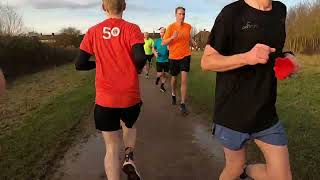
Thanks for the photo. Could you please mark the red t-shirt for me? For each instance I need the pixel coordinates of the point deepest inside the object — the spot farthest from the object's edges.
(117, 83)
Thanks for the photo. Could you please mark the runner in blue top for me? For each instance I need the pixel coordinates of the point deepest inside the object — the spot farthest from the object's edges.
(162, 54)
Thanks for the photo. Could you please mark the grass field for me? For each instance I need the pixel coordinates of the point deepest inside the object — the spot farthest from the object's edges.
(298, 107)
(38, 114)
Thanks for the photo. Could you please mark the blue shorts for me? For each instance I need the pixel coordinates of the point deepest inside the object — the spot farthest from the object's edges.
(235, 140)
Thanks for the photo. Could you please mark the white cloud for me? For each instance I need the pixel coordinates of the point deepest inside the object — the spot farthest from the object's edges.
(50, 15)
(45, 4)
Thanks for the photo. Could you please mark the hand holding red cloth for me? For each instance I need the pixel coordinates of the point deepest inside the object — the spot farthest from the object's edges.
(283, 68)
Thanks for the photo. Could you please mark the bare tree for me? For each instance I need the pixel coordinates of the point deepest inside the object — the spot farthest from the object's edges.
(70, 31)
(69, 36)
(10, 21)
(194, 31)
(303, 27)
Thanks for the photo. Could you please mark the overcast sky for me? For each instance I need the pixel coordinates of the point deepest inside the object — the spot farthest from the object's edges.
(47, 16)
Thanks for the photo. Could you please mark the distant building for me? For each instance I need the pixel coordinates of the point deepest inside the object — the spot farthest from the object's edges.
(60, 40)
(47, 39)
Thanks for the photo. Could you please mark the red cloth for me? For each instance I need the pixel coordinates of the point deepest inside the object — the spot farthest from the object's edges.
(283, 68)
(117, 84)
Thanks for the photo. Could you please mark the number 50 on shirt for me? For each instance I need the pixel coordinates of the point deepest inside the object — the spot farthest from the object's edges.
(109, 33)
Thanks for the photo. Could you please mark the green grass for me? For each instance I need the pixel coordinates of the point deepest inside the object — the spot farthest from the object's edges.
(201, 86)
(27, 151)
(298, 107)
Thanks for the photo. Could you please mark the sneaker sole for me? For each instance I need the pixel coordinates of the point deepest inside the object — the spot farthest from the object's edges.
(162, 90)
(184, 113)
(131, 172)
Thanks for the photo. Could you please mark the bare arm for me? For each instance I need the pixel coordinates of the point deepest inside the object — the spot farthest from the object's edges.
(155, 52)
(169, 40)
(193, 43)
(212, 60)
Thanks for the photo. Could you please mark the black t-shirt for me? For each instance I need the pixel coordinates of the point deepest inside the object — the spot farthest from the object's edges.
(245, 97)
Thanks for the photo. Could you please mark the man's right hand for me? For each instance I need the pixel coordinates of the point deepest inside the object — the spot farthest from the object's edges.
(175, 35)
(156, 54)
(259, 54)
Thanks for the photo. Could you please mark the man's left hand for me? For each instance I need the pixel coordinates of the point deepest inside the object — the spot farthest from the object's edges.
(293, 59)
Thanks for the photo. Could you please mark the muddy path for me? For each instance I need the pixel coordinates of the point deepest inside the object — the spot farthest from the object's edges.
(169, 146)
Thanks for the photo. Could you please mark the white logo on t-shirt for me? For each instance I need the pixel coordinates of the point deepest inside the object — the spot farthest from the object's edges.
(109, 33)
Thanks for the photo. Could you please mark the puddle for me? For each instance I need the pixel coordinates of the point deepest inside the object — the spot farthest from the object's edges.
(86, 156)
(207, 142)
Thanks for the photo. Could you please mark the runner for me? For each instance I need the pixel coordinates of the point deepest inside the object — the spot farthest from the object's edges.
(148, 44)
(247, 37)
(118, 48)
(162, 55)
(2, 83)
(178, 37)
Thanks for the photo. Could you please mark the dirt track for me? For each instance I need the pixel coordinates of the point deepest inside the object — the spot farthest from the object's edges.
(169, 146)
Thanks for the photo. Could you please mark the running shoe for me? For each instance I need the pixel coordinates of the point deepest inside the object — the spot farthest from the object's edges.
(174, 100)
(129, 167)
(157, 81)
(162, 89)
(183, 109)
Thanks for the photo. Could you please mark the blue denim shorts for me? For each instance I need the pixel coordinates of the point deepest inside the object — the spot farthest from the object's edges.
(235, 140)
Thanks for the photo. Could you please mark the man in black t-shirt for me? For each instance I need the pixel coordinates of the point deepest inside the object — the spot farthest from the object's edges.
(247, 37)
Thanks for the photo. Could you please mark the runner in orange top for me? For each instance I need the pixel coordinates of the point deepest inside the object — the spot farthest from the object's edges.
(178, 37)
(118, 48)
(180, 47)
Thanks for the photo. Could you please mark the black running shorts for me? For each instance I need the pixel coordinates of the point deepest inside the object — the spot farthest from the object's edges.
(176, 66)
(149, 58)
(108, 119)
(162, 66)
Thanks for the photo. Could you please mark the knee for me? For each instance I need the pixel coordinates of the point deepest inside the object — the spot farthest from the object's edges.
(234, 169)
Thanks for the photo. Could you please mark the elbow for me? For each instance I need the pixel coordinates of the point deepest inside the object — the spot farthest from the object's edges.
(79, 67)
(140, 61)
(209, 65)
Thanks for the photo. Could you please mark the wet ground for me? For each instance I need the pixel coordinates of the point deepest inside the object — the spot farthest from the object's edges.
(169, 146)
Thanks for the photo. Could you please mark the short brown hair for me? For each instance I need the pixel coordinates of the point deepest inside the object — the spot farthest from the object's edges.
(180, 7)
(115, 6)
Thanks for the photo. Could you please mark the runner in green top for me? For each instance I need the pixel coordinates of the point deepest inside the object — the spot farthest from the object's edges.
(148, 44)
